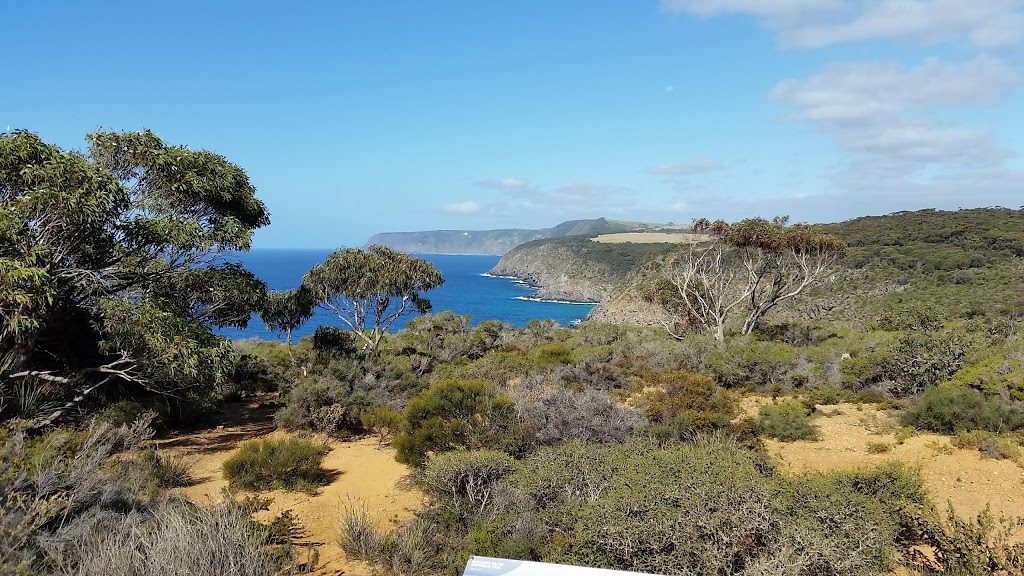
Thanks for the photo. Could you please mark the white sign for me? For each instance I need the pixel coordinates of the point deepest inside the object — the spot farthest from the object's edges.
(482, 566)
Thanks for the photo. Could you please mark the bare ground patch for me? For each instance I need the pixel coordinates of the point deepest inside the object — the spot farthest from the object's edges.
(652, 238)
(361, 470)
(961, 477)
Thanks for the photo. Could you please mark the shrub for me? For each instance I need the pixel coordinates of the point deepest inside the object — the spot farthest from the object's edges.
(166, 471)
(331, 406)
(277, 463)
(497, 367)
(827, 395)
(412, 550)
(125, 413)
(985, 545)
(912, 316)
(999, 448)
(712, 507)
(690, 403)
(879, 447)
(179, 538)
(557, 414)
(467, 476)
(949, 409)
(252, 374)
(454, 415)
(588, 374)
(329, 342)
(920, 361)
(788, 420)
(753, 364)
(64, 509)
(383, 421)
(358, 536)
(551, 354)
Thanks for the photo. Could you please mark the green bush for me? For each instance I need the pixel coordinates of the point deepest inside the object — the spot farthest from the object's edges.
(1000, 371)
(358, 536)
(467, 476)
(498, 367)
(456, 415)
(124, 413)
(788, 420)
(330, 406)
(712, 507)
(166, 471)
(690, 403)
(750, 364)
(949, 408)
(277, 463)
(910, 316)
(383, 421)
(551, 354)
(980, 546)
(921, 360)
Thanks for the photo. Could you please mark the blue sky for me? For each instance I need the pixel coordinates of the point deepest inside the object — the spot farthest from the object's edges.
(358, 117)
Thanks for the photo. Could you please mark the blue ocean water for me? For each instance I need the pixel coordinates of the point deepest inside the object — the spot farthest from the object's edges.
(466, 290)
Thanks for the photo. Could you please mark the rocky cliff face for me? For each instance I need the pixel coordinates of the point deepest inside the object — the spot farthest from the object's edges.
(489, 242)
(573, 269)
(626, 304)
(485, 242)
(558, 273)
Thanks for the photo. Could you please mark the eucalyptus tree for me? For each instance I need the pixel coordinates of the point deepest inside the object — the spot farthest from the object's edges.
(112, 274)
(368, 290)
(751, 266)
(286, 311)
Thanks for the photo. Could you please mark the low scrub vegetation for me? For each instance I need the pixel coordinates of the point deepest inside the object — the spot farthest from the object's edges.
(68, 507)
(604, 445)
(706, 507)
(277, 463)
(787, 420)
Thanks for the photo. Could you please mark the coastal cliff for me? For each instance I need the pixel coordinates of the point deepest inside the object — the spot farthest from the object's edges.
(626, 303)
(490, 242)
(573, 269)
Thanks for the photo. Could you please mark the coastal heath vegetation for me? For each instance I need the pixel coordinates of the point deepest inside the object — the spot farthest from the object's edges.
(604, 445)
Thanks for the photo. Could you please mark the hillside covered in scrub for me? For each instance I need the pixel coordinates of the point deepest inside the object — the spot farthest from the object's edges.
(966, 262)
(492, 242)
(762, 429)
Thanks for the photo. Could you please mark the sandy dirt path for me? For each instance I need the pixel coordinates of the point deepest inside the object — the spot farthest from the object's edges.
(362, 470)
(961, 477)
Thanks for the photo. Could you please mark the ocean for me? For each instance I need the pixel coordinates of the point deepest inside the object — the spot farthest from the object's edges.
(467, 290)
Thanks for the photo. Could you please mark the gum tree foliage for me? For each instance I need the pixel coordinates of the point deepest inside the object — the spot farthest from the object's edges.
(751, 266)
(111, 269)
(286, 311)
(370, 289)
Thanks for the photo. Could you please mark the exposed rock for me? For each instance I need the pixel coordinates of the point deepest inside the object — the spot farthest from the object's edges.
(574, 269)
(490, 242)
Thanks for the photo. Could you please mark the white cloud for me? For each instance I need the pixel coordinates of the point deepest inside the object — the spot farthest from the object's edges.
(924, 143)
(687, 167)
(468, 207)
(986, 23)
(764, 8)
(900, 128)
(816, 23)
(505, 184)
(854, 92)
(876, 109)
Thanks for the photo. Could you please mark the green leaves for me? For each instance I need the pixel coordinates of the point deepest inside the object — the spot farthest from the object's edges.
(370, 289)
(113, 259)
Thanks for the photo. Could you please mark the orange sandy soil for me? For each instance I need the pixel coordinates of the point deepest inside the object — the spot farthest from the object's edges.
(361, 471)
(367, 472)
(962, 477)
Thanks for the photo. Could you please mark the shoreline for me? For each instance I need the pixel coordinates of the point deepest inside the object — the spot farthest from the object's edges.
(532, 298)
